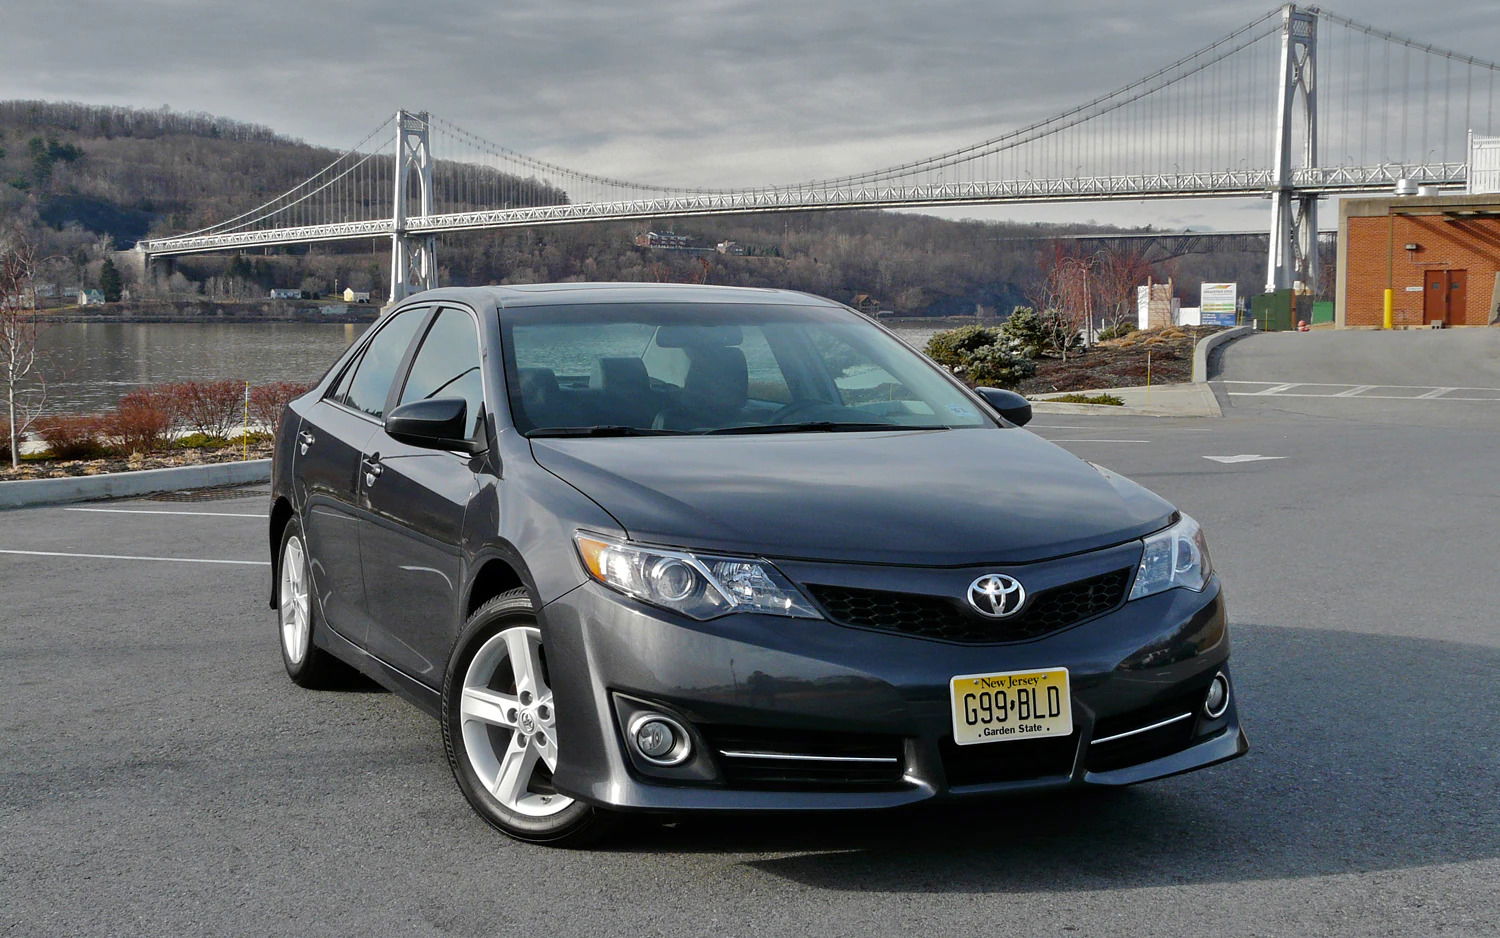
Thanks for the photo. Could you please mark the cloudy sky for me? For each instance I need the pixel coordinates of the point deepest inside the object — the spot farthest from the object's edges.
(712, 92)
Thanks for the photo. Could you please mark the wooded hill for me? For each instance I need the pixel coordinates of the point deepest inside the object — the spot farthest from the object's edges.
(82, 178)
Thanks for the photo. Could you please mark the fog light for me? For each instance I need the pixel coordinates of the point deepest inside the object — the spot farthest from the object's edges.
(659, 739)
(1216, 701)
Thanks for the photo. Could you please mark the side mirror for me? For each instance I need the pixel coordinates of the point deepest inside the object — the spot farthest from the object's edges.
(1008, 404)
(438, 423)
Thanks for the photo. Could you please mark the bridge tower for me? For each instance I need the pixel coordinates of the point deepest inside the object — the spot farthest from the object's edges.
(1294, 217)
(413, 257)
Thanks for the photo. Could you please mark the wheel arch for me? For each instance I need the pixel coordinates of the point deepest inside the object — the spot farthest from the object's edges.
(281, 513)
(495, 575)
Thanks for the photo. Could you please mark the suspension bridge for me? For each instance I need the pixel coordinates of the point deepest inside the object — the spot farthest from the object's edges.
(1300, 105)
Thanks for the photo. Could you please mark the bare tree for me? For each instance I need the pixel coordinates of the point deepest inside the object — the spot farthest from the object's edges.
(23, 387)
(1119, 272)
(1063, 294)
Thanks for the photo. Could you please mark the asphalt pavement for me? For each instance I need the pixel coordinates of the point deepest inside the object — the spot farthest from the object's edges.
(161, 776)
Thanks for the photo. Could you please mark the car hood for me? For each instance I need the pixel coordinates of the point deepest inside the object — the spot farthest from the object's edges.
(921, 498)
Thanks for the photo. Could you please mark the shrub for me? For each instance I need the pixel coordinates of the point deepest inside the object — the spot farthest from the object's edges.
(1109, 399)
(71, 437)
(268, 402)
(4, 442)
(998, 366)
(953, 347)
(212, 408)
(980, 355)
(1116, 330)
(1025, 332)
(140, 424)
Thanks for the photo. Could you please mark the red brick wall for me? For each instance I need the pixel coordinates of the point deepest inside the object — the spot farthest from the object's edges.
(1472, 245)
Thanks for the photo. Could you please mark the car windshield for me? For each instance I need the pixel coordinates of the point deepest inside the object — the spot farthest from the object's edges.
(681, 368)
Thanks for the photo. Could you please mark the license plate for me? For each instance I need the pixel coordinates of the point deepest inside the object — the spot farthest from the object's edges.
(994, 708)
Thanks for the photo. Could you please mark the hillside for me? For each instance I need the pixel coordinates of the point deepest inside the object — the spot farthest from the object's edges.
(80, 178)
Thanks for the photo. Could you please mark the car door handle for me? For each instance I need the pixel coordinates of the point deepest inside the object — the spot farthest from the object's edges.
(373, 469)
(305, 440)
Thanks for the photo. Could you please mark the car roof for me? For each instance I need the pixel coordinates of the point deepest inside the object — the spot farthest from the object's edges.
(558, 294)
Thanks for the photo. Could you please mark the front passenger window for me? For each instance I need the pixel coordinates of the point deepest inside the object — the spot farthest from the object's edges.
(447, 365)
(376, 371)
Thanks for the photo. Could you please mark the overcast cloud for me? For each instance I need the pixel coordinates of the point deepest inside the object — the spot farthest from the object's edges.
(713, 92)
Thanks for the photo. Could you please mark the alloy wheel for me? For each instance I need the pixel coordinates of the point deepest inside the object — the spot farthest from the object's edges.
(296, 608)
(509, 724)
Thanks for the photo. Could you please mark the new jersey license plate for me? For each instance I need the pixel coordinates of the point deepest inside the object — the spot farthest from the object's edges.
(994, 708)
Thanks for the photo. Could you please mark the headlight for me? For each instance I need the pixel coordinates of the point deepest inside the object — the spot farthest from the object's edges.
(1175, 557)
(699, 585)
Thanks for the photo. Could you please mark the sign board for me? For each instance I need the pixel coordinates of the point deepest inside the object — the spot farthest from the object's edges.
(1219, 303)
(1143, 307)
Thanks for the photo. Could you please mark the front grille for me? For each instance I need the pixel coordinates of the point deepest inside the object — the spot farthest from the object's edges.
(759, 758)
(1152, 744)
(950, 620)
(1142, 747)
(1012, 761)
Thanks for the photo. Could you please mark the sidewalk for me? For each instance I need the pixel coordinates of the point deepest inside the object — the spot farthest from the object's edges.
(1191, 399)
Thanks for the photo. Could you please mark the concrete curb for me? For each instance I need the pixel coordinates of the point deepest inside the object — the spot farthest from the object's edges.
(1162, 400)
(27, 492)
(1207, 344)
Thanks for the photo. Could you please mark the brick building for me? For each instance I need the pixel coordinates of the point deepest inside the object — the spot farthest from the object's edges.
(1439, 254)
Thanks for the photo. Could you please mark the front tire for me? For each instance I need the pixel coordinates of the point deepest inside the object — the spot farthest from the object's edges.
(306, 664)
(499, 728)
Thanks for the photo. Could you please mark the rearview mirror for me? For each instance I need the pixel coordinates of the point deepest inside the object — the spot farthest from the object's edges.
(438, 423)
(1008, 404)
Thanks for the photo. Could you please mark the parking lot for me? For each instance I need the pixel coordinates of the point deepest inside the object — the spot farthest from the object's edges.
(162, 777)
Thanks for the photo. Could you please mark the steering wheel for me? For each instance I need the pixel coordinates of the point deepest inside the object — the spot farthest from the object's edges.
(807, 410)
(799, 410)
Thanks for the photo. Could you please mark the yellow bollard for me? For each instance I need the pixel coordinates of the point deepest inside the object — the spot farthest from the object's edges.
(1390, 303)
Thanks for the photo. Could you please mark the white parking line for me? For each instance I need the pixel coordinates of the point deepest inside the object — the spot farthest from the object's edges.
(1348, 384)
(148, 511)
(1277, 389)
(1376, 397)
(1098, 441)
(1357, 390)
(55, 553)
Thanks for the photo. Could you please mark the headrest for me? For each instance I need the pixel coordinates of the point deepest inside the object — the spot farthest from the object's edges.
(538, 383)
(694, 336)
(619, 374)
(717, 377)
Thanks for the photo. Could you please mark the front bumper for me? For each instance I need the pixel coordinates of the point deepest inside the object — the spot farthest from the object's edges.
(791, 683)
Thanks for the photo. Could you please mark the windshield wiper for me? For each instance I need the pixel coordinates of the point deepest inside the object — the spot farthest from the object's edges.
(606, 430)
(823, 426)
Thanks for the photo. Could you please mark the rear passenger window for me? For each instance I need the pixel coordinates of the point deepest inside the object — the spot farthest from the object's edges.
(447, 365)
(377, 369)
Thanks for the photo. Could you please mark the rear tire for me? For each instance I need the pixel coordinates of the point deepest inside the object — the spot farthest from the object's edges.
(499, 729)
(296, 617)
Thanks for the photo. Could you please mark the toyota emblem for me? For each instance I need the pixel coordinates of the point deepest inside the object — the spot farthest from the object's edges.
(997, 596)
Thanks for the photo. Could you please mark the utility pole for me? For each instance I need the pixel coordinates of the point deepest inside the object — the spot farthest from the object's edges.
(1294, 217)
(413, 258)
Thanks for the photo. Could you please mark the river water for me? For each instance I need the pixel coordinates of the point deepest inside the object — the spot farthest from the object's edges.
(90, 365)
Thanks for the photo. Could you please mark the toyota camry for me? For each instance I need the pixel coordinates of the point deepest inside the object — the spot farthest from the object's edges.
(663, 549)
